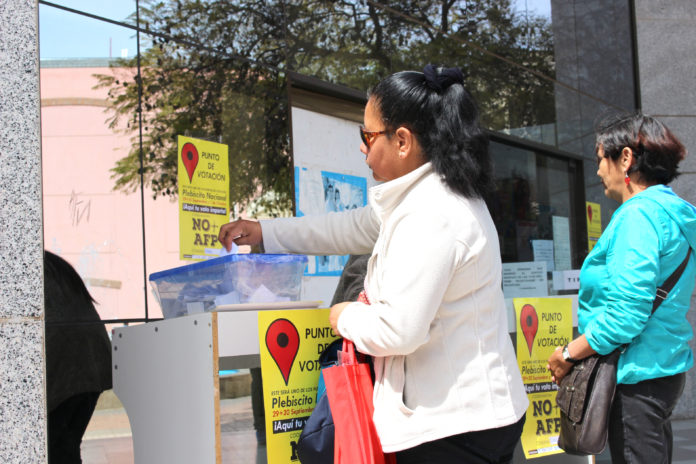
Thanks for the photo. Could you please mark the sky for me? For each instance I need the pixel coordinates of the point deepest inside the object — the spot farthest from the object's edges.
(67, 35)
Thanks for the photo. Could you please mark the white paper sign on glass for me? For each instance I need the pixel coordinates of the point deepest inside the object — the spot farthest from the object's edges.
(543, 251)
(525, 280)
(566, 280)
(561, 243)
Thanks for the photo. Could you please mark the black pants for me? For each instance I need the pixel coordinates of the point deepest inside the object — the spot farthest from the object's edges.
(257, 407)
(66, 425)
(639, 426)
(493, 446)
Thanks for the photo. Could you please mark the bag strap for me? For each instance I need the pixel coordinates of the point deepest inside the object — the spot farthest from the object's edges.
(347, 355)
(348, 345)
(663, 291)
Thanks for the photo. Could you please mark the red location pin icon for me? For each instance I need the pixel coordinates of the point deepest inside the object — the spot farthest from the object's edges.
(189, 155)
(530, 324)
(282, 341)
(589, 212)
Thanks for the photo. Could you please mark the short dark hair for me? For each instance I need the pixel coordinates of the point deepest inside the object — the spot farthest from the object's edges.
(444, 118)
(656, 150)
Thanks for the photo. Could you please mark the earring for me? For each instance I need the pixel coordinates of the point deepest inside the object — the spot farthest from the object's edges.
(627, 179)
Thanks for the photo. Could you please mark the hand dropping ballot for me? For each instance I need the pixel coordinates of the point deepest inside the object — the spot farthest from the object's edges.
(234, 249)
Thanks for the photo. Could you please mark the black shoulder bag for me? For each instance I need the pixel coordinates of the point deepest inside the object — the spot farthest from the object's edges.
(585, 394)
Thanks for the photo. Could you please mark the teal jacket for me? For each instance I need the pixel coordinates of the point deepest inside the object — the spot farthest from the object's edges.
(646, 239)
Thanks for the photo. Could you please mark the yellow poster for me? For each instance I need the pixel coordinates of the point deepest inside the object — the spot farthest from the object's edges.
(290, 344)
(542, 325)
(594, 223)
(204, 192)
(540, 433)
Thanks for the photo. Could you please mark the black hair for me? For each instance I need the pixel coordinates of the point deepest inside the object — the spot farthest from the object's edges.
(64, 287)
(444, 118)
(656, 150)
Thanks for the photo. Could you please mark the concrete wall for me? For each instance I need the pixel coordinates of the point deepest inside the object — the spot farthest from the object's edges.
(22, 397)
(666, 31)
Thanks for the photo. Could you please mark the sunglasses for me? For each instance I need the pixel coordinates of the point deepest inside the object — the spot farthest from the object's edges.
(368, 138)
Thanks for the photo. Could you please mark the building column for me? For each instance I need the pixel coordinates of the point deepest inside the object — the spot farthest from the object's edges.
(22, 371)
(666, 32)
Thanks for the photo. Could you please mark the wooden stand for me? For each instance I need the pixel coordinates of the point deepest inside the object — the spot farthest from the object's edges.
(166, 376)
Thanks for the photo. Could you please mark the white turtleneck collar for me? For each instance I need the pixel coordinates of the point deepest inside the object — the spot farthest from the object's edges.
(384, 197)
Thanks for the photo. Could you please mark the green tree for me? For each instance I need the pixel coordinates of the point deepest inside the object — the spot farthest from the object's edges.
(216, 70)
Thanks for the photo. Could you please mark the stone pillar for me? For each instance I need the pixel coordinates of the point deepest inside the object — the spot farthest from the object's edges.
(666, 32)
(22, 372)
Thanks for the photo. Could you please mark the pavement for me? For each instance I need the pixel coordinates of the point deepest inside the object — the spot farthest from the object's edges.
(108, 437)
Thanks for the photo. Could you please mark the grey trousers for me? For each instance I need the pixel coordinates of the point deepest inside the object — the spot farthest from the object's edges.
(640, 430)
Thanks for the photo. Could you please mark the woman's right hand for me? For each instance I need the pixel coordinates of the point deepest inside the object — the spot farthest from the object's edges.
(579, 349)
(241, 232)
(558, 366)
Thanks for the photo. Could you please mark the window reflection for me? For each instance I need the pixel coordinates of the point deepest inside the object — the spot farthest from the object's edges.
(97, 230)
(121, 10)
(536, 195)
(205, 95)
(63, 34)
(200, 93)
(216, 70)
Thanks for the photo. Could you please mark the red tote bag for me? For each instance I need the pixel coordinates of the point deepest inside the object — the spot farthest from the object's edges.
(349, 388)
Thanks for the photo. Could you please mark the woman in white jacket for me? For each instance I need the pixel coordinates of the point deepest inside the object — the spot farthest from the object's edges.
(447, 385)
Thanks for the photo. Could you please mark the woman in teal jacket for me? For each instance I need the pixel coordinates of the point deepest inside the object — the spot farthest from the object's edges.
(647, 239)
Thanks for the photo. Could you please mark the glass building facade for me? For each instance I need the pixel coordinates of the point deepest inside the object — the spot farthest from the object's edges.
(120, 80)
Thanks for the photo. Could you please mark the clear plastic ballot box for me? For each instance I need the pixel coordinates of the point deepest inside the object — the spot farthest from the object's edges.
(228, 280)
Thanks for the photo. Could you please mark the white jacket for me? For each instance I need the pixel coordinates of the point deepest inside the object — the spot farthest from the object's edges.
(437, 327)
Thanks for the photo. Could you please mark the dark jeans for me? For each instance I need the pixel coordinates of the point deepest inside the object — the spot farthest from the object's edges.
(66, 425)
(493, 446)
(639, 426)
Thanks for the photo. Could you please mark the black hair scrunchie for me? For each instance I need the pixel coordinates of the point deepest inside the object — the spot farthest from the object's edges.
(440, 79)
